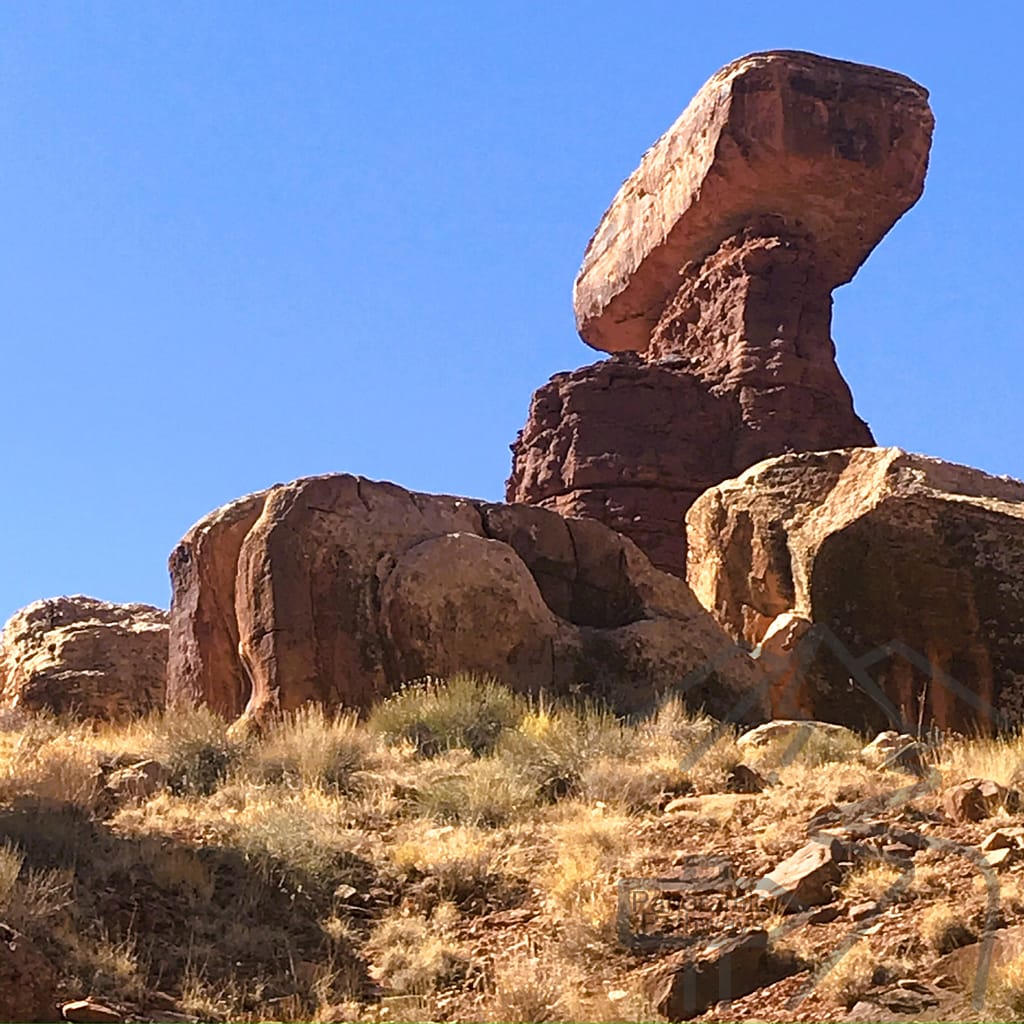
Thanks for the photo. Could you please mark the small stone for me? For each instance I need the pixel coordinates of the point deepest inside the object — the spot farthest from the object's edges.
(807, 878)
(87, 1011)
(682, 803)
(823, 915)
(742, 779)
(862, 911)
(892, 749)
(138, 781)
(999, 858)
(685, 984)
(974, 800)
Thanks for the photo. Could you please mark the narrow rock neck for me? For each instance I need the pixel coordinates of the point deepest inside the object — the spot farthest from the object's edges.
(757, 311)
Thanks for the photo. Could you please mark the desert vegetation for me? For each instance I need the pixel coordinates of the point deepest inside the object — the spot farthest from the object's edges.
(454, 855)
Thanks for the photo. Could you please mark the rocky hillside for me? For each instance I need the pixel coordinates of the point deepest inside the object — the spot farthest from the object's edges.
(468, 854)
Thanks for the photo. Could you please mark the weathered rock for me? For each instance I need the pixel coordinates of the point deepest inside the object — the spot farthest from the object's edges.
(337, 589)
(793, 734)
(81, 655)
(890, 749)
(1003, 839)
(976, 799)
(629, 443)
(137, 781)
(805, 879)
(716, 262)
(837, 151)
(28, 981)
(685, 984)
(89, 1011)
(910, 569)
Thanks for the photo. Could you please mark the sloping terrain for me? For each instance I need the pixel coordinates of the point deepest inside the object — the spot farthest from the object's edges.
(457, 855)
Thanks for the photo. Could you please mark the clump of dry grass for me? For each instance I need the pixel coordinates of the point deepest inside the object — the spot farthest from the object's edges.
(52, 760)
(942, 929)
(531, 989)
(999, 758)
(461, 858)
(1005, 993)
(411, 954)
(462, 789)
(303, 839)
(592, 848)
(11, 859)
(850, 976)
(311, 748)
(875, 881)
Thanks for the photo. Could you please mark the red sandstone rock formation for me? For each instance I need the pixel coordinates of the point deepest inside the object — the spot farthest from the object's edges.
(81, 655)
(716, 263)
(337, 589)
(898, 580)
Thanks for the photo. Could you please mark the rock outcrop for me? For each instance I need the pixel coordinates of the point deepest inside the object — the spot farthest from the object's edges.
(711, 276)
(88, 657)
(337, 589)
(908, 571)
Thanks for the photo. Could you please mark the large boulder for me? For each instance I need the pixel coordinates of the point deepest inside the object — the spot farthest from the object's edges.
(908, 571)
(710, 277)
(336, 589)
(89, 657)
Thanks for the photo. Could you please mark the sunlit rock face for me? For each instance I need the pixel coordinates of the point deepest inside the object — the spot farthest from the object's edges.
(715, 265)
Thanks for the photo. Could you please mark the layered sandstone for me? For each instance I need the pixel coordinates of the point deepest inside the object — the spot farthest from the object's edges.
(715, 264)
(337, 589)
(92, 658)
(905, 575)
(835, 152)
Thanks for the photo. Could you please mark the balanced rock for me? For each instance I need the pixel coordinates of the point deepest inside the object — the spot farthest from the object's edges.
(716, 263)
(910, 571)
(337, 589)
(81, 655)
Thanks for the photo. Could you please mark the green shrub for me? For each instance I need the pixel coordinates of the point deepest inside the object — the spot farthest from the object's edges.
(436, 715)
(194, 745)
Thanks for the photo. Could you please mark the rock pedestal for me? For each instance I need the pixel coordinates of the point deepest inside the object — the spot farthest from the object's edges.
(715, 265)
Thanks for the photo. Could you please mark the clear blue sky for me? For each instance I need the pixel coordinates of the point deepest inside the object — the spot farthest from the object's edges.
(247, 242)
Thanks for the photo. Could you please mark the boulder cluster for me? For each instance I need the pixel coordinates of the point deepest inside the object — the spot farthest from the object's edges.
(701, 512)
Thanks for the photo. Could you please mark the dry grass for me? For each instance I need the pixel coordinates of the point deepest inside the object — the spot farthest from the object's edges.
(1000, 759)
(877, 882)
(411, 954)
(281, 874)
(1005, 993)
(850, 976)
(943, 929)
